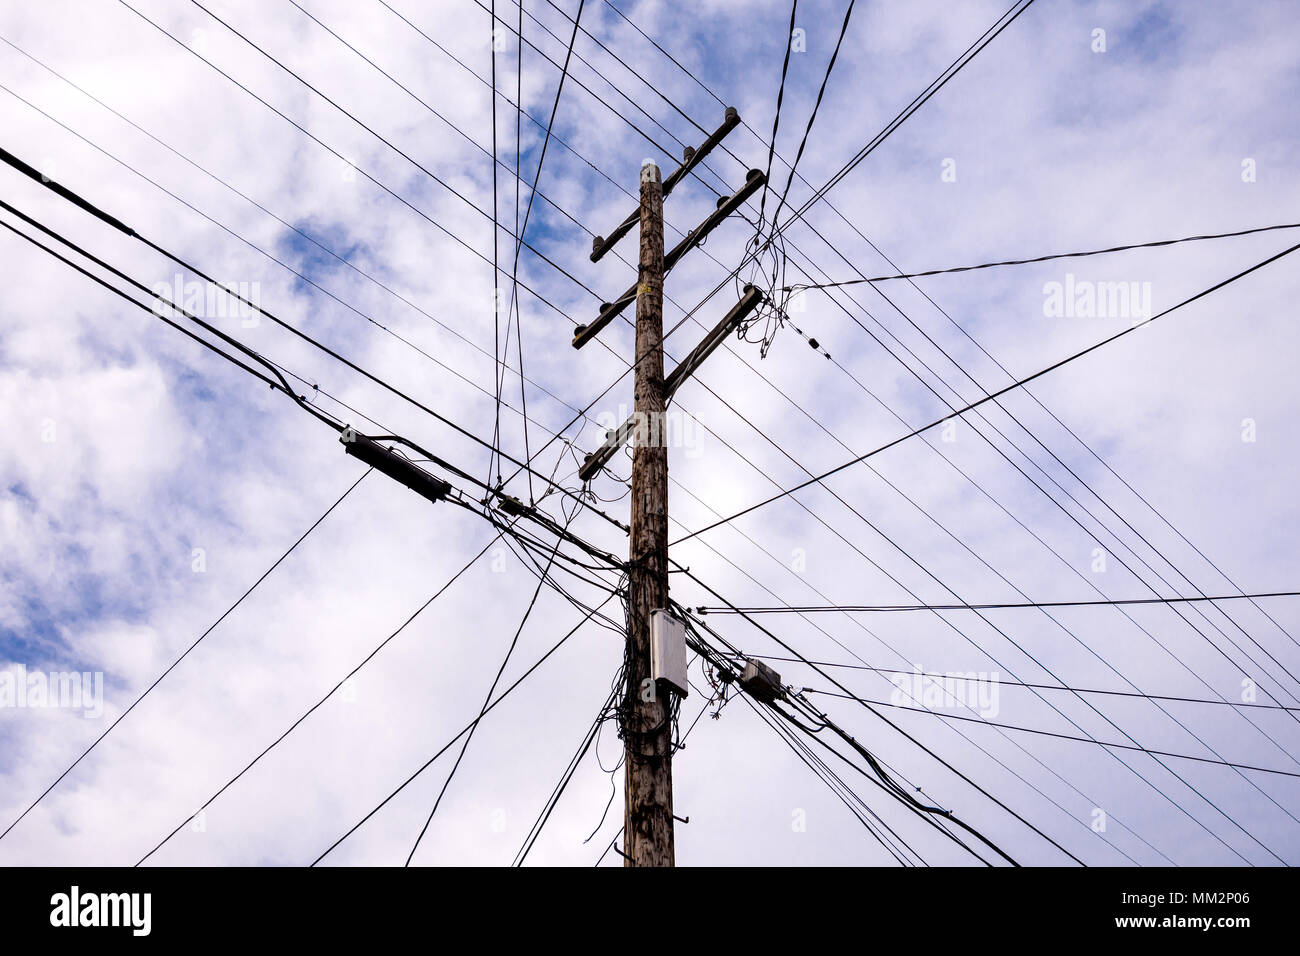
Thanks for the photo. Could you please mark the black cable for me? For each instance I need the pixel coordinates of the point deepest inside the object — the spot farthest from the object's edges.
(546, 141)
(487, 700)
(684, 736)
(1047, 258)
(687, 71)
(1077, 639)
(1041, 444)
(548, 127)
(516, 105)
(833, 783)
(553, 800)
(519, 327)
(658, 92)
(957, 730)
(238, 601)
(1059, 505)
(776, 117)
(7, 157)
(522, 231)
(666, 151)
(328, 694)
(953, 69)
(935, 814)
(993, 395)
(307, 237)
(498, 373)
(927, 750)
(393, 193)
(456, 129)
(279, 384)
(844, 27)
(1065, 511)
(882, 778)
(1003, 682)
(310, 135)
(1060, 736)
(855, 609)
(1199, 740)
(466, 729)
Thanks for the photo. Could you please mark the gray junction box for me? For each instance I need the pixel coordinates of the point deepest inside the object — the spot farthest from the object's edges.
(668, 651)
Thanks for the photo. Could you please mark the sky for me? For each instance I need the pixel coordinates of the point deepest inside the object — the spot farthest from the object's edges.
(146, 484)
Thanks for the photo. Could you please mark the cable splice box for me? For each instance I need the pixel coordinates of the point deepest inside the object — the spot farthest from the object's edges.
(761, 682)
(668, 652)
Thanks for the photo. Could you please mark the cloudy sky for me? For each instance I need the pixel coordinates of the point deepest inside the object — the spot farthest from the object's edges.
(145, 483)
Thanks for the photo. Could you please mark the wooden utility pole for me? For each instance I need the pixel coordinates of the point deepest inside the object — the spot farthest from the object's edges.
(648, 784)
(647, 710)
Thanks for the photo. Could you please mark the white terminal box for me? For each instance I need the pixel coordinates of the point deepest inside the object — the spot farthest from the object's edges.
(668, 651)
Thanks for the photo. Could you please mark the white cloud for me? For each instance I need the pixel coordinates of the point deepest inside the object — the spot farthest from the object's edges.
(160, 449)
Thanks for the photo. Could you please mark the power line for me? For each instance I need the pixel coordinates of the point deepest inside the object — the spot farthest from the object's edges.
(992, 395)
(707, 89)
(496, 277)
(1071, 471)
(836, 532)
(328, 694)
(1003, 454)
(487, 700)
(858, 609)
(522, 231)
(844, 28)
(920, 100)
(881, 777)
(837, 786)
(955, 729)
(7, 157)
(350, 116)
(391, 192)
(666, 151)
(466, 729)
(589, 737)
(172, 666)
(776, 117)
(1048, 258)
(893, 725)
(298, 231)
(1039, 487)
(1003, 682)
(142, 306)
(1060, 736)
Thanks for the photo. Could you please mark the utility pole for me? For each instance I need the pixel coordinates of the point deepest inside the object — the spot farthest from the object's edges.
(648, 784)
(655, 655)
